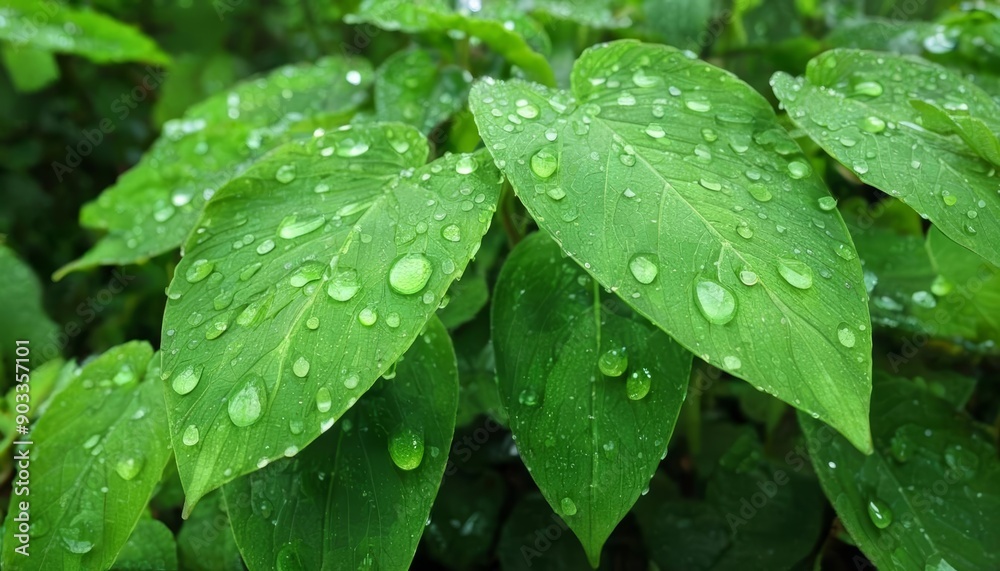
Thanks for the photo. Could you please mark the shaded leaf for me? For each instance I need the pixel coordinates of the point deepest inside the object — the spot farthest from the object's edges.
(535, 538)
(30, 69)
(692, 204)
(205, 541)
(21, 314)
(154, 206)
(859, 106)
(592, 394)
(151, 547)
(56, 27)
(98, 453)
(279, 320)
(503, 27)
(929, 496)
(359, 496)
(465, 519)
(412, 88)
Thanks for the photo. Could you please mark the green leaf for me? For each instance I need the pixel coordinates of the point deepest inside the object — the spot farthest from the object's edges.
(592, 13)
(756, 514)
(929, 497)
(98, 452)
(53, 26)
(205, 541)
(859, 107)
(536, 539)
(30, 69)
(309, 275)
(153, 207)
(502, 27)
(592, 394)
(968, 285)
(465, 518)
(150, 547)
(359, 496)
(410, 87)
(675, 194)
(21, 314)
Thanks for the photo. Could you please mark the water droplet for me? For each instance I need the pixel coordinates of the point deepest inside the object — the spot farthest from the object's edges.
(312, 322)
(285, 174)
(709, 184)
(187, 380)
(324, 400)
(846, 335)
(880, 513)
(827, 203)
(351, 148)
(344, 285)
(544, 164)
(300, 367)
(644, 268)
(638, 384)
(246, 401)
(748, 277)
(294, 226)
(744, 230)
(698, 106)
(452, 233)
(406, 448)
(759, 192)
(567, 506)
(410, 273)
(715, 301)
(466, 165)
(368, 316)
(198, 270)
(796, 273)
(924, 299)
(556, 193)
(129, 467)
(528, 397)
(731, 362)
(798, 169)
(845, 251)
(527, 110)
(392, 320)
(873, 124)
(655, 131)
(190, 436)
(351, 382)
(613, 362)
(265, 246)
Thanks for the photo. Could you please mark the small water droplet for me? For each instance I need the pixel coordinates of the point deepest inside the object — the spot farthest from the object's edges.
(190, 436)
(198, 270)
(187, 380)
(644, 268)
(880, 513)
(846, 335)
(827, 203)
(638, 384)
(613, 362)
(246, 401)
(715, 301)
(300, 367)
(795, 272)
(466, 165)
(129, 467)
(410, 273)
(344, 286)
(567, 506)
(406, 448)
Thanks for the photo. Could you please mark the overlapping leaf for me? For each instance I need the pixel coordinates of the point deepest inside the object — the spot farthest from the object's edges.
(592, 393)
(929, 497)
(880, 115)
(503, 27)
(151, 546)
(411, 88)
(22, 317)
(307, 278)
(56, 27)
(359, 496)
(98, 453)
(153, 206)
(673, 184)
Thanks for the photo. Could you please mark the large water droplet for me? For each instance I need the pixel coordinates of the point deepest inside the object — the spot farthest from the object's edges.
(300, 368)
(715, 301)
(129, 467)
(846, 335)
(466, 165)
(528, 397)
(795, 272)
(190, 435)
(451, 233)
(324, 400)
(827, 203)
(613, 363)
(198, 270)
(873, 124)
(246, 402)
(187, 380)
(544, 164)
(567, 507)
(406, 448)
(285, 174)
(638, 384)
(880, 513)
(644, 268)
(410, 273)
(298, 225)
(344, 285)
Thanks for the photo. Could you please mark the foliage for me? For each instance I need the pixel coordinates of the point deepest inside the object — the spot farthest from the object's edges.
(519, 284)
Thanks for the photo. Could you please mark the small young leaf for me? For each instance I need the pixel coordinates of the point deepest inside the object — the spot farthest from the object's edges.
(98, 453)
(56, 27)
(673, 183)
(502, 27)
(929, 497)
(592, 393)
(153, 207)
(307, 278)
(859, 106)
(359, 496)
(411, 88)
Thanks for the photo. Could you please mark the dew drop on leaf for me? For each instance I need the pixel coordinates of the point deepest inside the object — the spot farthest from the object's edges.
(880, 513)
(846, 335)
(644, 268)
(567, 506)
(187, 380)
(406, 448)
(715, 301)
(613, 362)
(638, 384)
(344, 285)
(198, 270)
(410, 273)
(795, 272)
(246, 402)
(191, 435)
(544, 164)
